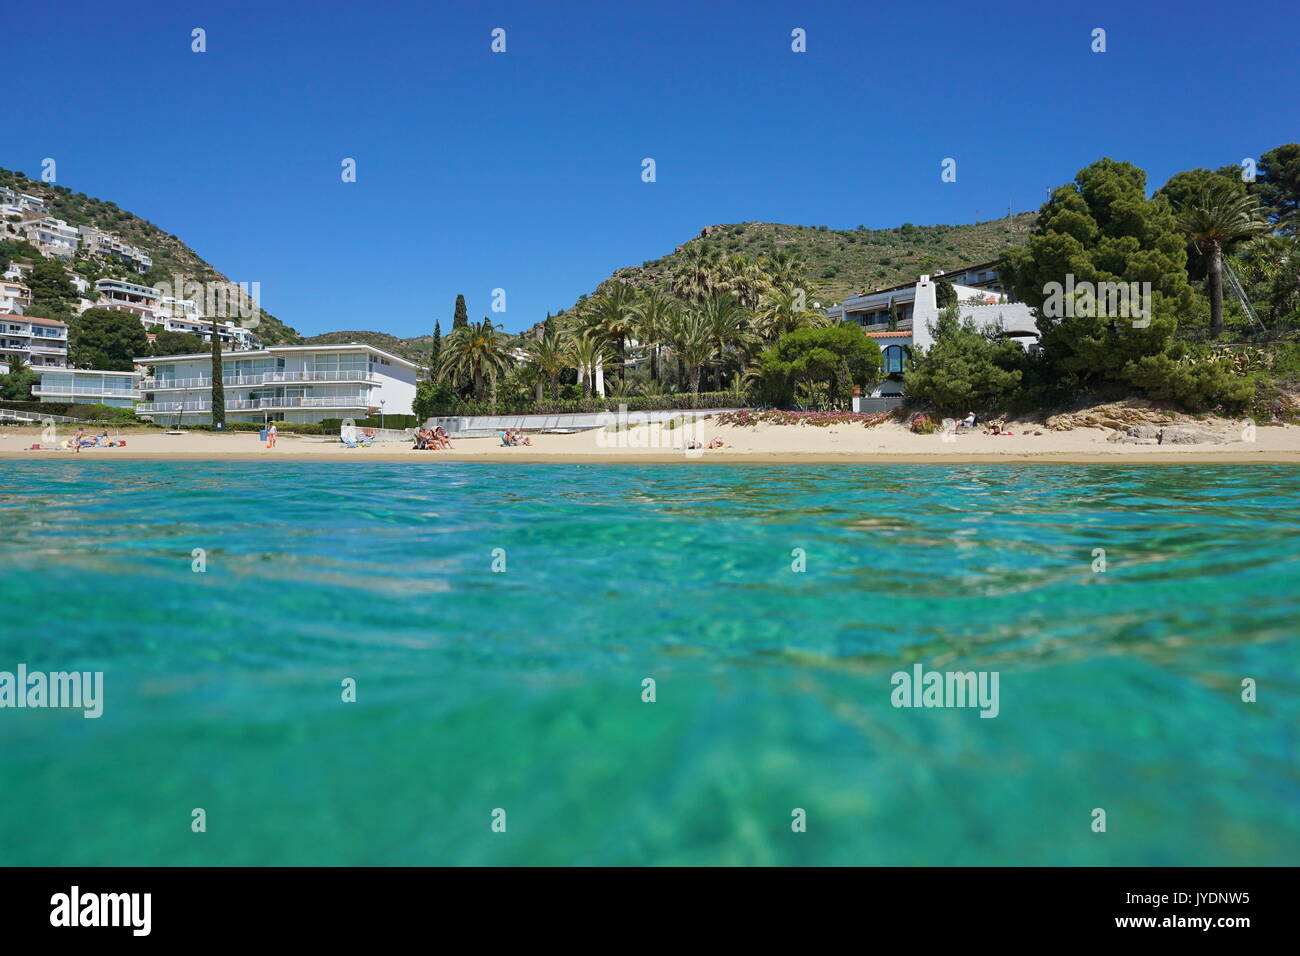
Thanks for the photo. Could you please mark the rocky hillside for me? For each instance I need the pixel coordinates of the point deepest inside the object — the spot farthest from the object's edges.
(170, 255)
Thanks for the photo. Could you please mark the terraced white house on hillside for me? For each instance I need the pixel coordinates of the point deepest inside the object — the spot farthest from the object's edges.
(290, 383)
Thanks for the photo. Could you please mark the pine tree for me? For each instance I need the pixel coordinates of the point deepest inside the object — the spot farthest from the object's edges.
(218, 387)
(462, 314)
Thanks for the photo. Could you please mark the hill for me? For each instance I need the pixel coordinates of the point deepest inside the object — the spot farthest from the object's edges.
(170, 255)
(842, 262)
(416, 349)
(846, 261)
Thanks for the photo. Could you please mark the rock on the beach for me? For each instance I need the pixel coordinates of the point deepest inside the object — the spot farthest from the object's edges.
(1117, 415)
(1169, 435)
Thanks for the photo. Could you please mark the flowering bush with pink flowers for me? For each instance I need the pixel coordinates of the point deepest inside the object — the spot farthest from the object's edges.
(817, 419)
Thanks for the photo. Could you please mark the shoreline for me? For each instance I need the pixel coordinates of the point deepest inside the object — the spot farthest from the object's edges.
(765, 444)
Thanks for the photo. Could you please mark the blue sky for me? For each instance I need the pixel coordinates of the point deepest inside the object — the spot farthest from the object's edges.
(522, 170)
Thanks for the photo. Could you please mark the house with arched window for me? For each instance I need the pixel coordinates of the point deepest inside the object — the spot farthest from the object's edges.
(899, 319)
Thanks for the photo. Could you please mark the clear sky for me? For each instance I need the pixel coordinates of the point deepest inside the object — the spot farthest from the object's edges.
(522, 170)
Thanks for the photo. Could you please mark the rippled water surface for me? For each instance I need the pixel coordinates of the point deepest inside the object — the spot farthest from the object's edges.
(522, 690)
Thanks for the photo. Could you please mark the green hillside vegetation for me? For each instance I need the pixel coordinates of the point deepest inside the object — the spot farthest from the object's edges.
(170, 255)
(842, 262)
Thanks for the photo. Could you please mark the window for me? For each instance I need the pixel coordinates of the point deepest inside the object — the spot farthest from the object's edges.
(896, 359)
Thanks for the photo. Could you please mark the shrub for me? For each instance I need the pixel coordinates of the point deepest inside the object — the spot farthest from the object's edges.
(1198, 379)
(965, 369)
(923, 425)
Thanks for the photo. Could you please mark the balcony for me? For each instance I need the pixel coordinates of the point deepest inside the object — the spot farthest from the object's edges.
(247, 405)
(69, 391)
(262, 378)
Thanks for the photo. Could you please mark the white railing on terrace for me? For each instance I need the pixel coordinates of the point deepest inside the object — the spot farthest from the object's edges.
(263, 378)
(85, 392)
(236, 405)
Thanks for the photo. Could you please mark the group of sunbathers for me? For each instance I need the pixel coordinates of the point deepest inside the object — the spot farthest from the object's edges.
(996, 427)
(515, 436)
(431, 439)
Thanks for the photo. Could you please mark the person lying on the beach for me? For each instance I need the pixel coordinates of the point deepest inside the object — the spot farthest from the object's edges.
(717, 443)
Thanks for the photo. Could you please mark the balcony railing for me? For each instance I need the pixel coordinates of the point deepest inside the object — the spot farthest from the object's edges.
(237, 405)
(72, 392)
(263, 378)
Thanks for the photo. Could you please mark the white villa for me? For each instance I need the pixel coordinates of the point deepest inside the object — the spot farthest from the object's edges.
(90, 386)
(913, 306)
(294, 383)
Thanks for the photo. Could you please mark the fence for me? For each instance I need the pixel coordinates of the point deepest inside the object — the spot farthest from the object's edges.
(478, 425)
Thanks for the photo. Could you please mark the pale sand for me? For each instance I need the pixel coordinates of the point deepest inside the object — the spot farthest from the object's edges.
(762, 444)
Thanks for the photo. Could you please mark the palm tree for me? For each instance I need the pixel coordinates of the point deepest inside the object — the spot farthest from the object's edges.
(782, 310)
(586, 351)
(690, 339)
(698, 273)
(1211, 221)
(611, 314)
(550, 353)
(725, 320)
(475, 353)
(745, 279)
(787, 270)
(653, 311)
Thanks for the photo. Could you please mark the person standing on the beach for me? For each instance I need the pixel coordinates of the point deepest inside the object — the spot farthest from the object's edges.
(270, 436)
(76, 439)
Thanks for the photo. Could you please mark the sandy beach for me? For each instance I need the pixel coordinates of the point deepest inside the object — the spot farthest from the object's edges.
(758, 444)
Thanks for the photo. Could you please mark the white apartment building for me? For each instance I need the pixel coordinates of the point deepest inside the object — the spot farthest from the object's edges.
(140, 300)
(233, 337)
(22, 202)
(53, 237)
(96, 242)
(18, 271)
(38, 342)
(913, 306)
(14, 296)
(295, 383)
(90, 386)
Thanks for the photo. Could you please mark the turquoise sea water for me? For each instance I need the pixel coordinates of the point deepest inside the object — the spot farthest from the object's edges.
(522, 690)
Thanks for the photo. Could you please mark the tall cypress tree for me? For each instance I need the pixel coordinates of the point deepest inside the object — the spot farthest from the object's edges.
(435, 352)
(462, 314)
(218, 387)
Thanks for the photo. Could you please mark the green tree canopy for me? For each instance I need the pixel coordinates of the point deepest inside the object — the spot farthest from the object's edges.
(107, 339)
(834, 358)
(1102, 228)
(1278, 184)
(177, 343)
(16, 385)
(52, 290)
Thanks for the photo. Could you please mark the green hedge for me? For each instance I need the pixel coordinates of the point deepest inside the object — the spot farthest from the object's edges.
(96, 413)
